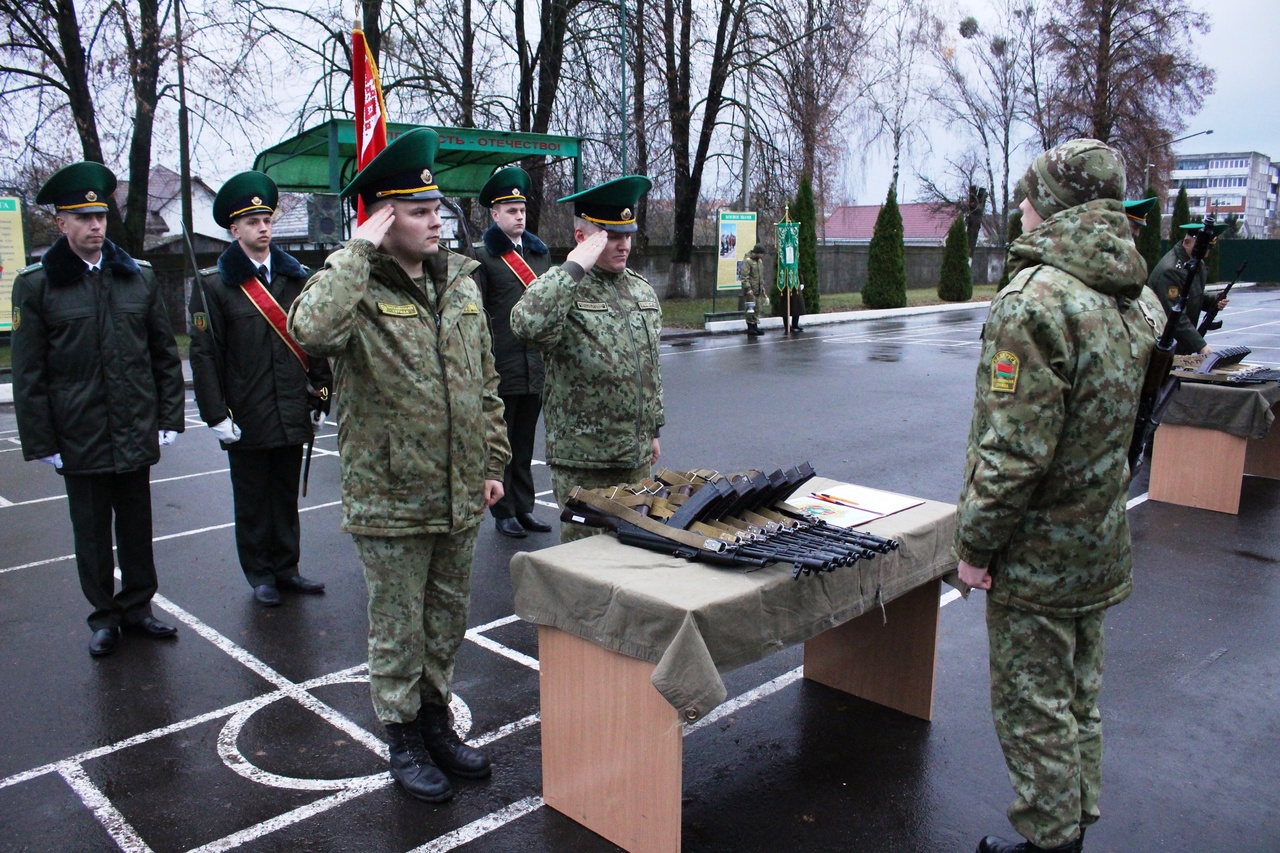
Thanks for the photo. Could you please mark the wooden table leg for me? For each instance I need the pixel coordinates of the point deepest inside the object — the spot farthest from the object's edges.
(1193, 466)
(611, 745)
(889, 662)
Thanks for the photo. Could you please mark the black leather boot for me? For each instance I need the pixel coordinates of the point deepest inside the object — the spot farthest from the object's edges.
(992, 844)
(411, 765)
(446, 748)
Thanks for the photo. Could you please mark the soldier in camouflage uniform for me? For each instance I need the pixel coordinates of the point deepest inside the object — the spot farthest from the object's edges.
(422, 443)
(1170, 277)
(597, 324)
(1041, 520)
(753, 292)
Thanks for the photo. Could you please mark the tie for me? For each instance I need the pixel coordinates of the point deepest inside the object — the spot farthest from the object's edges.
(262, 274)
(520, 250)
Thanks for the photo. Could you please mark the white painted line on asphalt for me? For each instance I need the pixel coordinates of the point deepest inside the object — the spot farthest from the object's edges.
(750, 697)
(481, 827)
(502, 731)
(1137, 501)
(5, 502)
(124, 835)
(948, 597)
(499, 649)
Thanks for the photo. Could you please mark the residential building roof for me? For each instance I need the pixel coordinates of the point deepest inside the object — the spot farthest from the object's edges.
(923, 223)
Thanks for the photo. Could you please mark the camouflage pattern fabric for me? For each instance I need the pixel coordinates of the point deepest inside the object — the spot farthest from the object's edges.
(1167, 281)
(1073, 173)
(419, 418)
(418, 596)
(753, 280)
(1046, 674)
(602, 399)
(1064, 352)
(564, 479)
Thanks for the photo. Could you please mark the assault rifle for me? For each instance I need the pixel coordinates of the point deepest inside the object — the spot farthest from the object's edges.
(1159, 385)
(738, 520)
(1211, 322)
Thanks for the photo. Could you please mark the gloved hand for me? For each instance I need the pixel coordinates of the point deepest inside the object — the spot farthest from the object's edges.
(167, 437)
(226, 431)
(317, 420)
(55, 460)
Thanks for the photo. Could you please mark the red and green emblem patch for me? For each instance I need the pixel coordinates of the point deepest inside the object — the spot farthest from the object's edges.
(17, 317)
(201, 321)
(1004, 372)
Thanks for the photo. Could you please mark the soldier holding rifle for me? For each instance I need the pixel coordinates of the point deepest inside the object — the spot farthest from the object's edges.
(1170, 277)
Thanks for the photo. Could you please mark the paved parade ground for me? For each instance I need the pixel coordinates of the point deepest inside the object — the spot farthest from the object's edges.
(253, 729)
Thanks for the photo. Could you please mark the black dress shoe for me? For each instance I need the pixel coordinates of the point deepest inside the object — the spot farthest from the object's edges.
(298, 583)
(531, 524)
(510, 527)
(103, 641)
(445, 747)
(267, 595)
(993, 844)
(411, 765)
(153, 627)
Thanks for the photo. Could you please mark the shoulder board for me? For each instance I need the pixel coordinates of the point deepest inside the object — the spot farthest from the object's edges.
(479, 244)
(140, 262)
(31, 268)
(1020, 280)
(208, 271)
(637, 275)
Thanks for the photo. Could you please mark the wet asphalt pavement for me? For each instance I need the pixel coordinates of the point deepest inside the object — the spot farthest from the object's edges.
(253, 729)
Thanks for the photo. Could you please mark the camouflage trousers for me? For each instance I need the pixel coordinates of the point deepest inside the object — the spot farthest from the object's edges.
(564, 479)
(419, 591)
(1046, 673)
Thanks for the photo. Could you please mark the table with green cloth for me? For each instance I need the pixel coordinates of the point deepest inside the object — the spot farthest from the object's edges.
(633, 642)
(1210, 437)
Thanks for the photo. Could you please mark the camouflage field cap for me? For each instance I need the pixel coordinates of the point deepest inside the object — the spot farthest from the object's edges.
(611, 205)
(82, 187)
(402, 170)
(506, 186)
(1073, 173)
(1137, 210)
(242, 194)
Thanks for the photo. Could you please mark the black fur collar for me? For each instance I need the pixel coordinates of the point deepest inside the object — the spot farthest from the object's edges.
(235, 267)
(499, 243)
(63, 266)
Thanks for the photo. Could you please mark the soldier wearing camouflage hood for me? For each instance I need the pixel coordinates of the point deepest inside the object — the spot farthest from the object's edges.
(597, 324)
(1041, 519)
(422, 443)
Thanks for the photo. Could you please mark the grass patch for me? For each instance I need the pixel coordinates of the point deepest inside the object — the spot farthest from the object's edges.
(687, 313)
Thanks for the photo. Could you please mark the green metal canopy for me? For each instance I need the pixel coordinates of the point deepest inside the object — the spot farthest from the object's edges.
(323, 158)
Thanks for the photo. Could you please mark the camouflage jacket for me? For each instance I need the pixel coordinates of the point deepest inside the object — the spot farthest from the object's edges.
(1167, 281)
(419, 418)
(752, 277)
(599, 340)
(1064, 352)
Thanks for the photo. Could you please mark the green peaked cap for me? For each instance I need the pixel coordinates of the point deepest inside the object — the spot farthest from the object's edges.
(82, 187)
(506, 186)
(1192, 227)
(1138, 210)
(242, 194)
(611, 205)
(402, 170)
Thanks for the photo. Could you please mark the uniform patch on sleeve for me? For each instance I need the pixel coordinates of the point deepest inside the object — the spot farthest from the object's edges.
(1173, 292)
(200, 320)
(1004, 372)
(17, 317)
(391, 310)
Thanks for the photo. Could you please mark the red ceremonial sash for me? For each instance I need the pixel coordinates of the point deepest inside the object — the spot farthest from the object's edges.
(274, 315)
(519, 267)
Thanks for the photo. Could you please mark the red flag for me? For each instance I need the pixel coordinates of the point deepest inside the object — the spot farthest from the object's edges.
(371, 111)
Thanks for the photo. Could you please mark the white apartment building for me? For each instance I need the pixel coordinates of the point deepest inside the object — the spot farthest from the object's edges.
(1244, 183)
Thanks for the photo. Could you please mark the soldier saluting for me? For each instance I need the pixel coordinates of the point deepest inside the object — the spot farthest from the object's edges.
(597, 324)
(260, 393)
(510, 259)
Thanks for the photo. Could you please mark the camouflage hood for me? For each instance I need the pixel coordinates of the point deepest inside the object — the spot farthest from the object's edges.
(1089, 242)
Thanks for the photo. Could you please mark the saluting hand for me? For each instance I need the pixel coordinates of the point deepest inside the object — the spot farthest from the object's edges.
(586, 253)
(376, 226)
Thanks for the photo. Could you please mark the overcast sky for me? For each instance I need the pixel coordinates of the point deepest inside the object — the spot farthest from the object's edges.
(1243, 112)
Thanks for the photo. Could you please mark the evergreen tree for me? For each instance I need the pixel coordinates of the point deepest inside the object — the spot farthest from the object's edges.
(1015, 231)
(1149, 237)
(955, 284)
(1181, 215)
(886, 285)
(805, 211)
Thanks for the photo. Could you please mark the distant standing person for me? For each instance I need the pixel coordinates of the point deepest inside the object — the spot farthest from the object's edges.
(1168, 280)
(262, 396)
(98, 390)
(598, 326)
(511, 257)
(753, 288)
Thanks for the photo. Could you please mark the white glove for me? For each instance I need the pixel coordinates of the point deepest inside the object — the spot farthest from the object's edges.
(55, 460)
(167, 437)
(317, 420)
(226, 431)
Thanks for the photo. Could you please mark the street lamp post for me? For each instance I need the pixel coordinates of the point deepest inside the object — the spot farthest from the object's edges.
(1146, 171)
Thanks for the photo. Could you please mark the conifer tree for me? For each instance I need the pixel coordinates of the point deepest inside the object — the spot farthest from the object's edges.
(955, 283)
(805, 211)
(1015, 231)
(1149, 237)
(886, 285)
(1181, 216)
